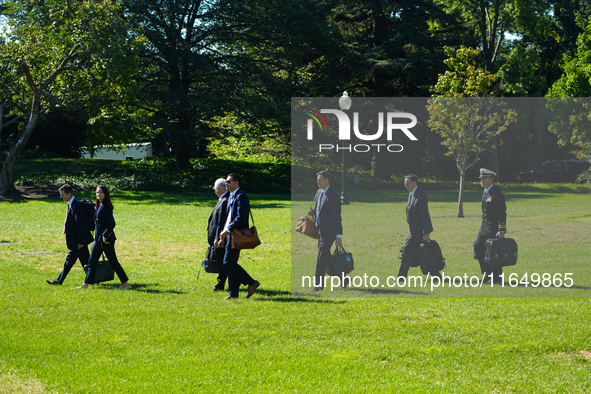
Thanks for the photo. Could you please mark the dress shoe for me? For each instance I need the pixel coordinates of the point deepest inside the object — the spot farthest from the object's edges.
(53, 282)
(217, 289)
(485, 280)
(125, 287)
(316, 289)
(252, 288)
(229, 297)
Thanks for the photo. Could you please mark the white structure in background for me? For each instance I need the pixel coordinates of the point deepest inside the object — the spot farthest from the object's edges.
(131, 152)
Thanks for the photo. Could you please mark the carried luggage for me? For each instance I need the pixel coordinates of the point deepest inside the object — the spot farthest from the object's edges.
(430, 257)
(89, 210)
(500, 252)
(307, 226)
(341, 262)
(210, 263)
(247, 238)
(104, 271)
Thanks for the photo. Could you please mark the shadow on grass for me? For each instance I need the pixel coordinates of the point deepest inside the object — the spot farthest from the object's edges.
(149, 288)
(285, 296)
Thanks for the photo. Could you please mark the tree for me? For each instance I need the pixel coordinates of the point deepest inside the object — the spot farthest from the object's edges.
(572, 124)
(466, 119)
(47, 46)
(37, 91)
(467, 126)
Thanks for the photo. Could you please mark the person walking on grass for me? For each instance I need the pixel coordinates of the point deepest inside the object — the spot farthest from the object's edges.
(77, 233)
(104, 239)
(215, 225)
(237, 210)
(494, 224)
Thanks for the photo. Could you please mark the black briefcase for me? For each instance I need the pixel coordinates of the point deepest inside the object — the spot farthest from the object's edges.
(210, 263)
(341, 262)
(430, 257)
(104, 271)
(500, 252)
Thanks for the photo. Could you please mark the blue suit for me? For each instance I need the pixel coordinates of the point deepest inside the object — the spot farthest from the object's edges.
(329, 223)
(104, 226)
(77, 233)
(238, 208)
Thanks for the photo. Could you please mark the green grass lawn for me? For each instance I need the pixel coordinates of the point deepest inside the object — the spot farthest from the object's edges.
(171, 334)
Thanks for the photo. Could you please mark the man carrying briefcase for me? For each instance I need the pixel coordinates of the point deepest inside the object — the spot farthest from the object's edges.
(494, 224)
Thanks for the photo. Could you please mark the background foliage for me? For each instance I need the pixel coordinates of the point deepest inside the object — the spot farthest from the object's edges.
(191, 76)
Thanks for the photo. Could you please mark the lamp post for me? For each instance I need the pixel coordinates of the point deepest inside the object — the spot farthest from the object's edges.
(345, 104)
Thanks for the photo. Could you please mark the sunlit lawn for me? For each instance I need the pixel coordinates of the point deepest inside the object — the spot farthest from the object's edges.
(171, 334)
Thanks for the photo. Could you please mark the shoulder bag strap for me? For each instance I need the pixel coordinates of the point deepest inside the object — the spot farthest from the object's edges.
(250, 211)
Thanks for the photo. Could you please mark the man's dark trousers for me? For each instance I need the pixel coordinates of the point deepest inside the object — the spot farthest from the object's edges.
(81, 254)
(236, 274)
(322, 260)
(410, 257)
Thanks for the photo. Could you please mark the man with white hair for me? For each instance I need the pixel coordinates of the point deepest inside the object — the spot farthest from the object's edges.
(494, 223)
(216, 223)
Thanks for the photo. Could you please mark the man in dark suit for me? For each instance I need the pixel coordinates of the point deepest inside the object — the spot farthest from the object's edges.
(238, 208)
(494, 223)
(419, 222)
(77, 232)
(215, 226)
(327, 209)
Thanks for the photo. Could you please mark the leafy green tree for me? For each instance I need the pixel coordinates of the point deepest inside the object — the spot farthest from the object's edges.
(573, 123)
(464, 78)
(467, 126)
(47, 46)
(466, 119)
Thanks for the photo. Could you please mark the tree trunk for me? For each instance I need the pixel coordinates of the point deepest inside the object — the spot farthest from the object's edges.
(6, 183)
(6, 178)
(461, 195)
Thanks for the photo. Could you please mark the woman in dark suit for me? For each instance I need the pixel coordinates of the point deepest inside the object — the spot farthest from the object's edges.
(104, 239)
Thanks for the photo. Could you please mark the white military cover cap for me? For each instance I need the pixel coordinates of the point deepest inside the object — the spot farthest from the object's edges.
(484, 173)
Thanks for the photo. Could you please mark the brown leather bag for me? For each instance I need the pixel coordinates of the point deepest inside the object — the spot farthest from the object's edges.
(307, 226)
(246, 238)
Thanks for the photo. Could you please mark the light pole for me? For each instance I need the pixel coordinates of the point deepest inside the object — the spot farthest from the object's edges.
(345, 104)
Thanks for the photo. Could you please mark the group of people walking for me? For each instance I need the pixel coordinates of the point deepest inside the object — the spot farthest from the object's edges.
(78, 236)
(327, 213)
(230, 213)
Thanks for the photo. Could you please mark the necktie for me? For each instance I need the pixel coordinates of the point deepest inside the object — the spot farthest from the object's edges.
(318, 207)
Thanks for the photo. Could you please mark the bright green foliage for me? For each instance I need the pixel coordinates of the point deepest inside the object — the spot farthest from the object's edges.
(68, 54)
(574, 124)
(576, 79)
(467, 126)
(465, 78)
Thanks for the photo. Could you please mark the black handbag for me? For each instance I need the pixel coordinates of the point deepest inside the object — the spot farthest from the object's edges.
(210, 263)
(500, 252)
(430, 257)
(104, 271)
(341, 262)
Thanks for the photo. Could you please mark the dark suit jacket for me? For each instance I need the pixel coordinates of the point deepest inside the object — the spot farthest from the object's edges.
(76, 228)
(329, 214)
(239, 209)
(494, 212)
(417, 214)
(217, 219)
(104, 223)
